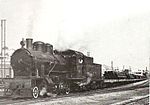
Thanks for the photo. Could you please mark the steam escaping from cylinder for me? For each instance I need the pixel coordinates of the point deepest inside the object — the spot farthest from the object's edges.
(88, 79)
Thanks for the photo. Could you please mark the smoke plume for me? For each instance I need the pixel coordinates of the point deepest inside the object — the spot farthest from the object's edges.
(34, 8)
(108, 35)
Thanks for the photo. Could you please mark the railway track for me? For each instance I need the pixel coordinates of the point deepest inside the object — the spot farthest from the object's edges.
(24, 101)
(133, 101)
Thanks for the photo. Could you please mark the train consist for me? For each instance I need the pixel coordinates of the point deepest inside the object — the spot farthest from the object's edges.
(39, 70)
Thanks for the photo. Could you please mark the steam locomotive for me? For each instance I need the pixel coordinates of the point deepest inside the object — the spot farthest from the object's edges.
(39, 70)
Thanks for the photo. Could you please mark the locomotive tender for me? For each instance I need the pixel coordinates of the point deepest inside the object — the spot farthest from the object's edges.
(39, 70)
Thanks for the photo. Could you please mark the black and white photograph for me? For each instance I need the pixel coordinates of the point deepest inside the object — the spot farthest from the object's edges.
(74, 52)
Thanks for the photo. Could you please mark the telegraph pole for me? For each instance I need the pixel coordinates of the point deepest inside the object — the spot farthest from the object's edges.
(3, 47)
(149, 67)
(112, 65)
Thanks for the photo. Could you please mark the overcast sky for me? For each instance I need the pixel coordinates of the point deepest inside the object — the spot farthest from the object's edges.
(111, 30)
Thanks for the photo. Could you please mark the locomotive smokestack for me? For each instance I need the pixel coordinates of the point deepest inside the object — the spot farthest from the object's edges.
(29, 43)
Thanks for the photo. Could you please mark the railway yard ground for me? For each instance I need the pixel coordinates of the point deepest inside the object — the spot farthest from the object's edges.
(131, 94)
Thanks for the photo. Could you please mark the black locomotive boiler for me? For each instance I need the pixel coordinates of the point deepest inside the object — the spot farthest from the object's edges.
(39, 70)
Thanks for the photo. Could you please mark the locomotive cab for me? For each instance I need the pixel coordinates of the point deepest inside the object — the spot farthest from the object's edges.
(83, 71)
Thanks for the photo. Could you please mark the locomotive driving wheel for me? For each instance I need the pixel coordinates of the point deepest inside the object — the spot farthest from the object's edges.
(35, 92)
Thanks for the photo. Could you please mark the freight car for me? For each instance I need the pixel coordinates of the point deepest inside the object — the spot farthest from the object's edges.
(39, 70)
(111, 74)
(115, 78)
